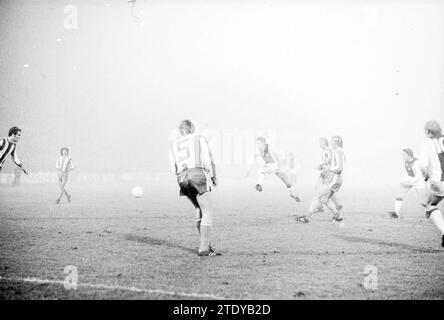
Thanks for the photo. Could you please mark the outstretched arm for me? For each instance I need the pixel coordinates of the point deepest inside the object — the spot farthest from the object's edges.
(172, 162)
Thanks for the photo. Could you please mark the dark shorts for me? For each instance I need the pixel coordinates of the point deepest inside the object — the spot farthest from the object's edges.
(435, 192)
(193, 182)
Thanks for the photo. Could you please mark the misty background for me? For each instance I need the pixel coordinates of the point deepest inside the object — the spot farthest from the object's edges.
(112, 79)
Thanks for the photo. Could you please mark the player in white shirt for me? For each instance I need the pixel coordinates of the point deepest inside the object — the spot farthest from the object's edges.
(8, 146)
(64, 165)
(271, 161)
(193, 164)
(332, 183)
(431, 159)
(414, 179)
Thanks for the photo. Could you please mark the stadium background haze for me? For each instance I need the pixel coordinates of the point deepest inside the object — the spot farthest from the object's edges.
(114, 85)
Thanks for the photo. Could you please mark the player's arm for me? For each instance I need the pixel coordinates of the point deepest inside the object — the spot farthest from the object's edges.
(424, 160)
(71, 165)
(17, 161)
(172, 161)
(337, 164)
(212, 162)
(209, 159)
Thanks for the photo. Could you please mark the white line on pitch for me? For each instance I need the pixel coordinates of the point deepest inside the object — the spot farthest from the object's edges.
(115, 287)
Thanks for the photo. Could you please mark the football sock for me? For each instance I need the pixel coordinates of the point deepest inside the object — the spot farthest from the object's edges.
(438, 220)
(205, 232)
(398, 204)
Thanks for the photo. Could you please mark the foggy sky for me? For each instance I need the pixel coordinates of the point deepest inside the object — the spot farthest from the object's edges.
(113, 89)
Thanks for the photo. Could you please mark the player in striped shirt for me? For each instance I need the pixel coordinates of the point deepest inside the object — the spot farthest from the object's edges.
(272, 161)
(431, 159)
(326, 156)
(332, 183)
(193, 164)
(8, 146)
(414, 179)
(64, 165)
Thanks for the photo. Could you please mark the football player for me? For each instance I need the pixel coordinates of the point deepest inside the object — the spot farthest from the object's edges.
(326, 156)
(271, 162)
(8, 146)
(431, 160)
(192, 162)
(64, 165)
(332, 182)
(414, 179)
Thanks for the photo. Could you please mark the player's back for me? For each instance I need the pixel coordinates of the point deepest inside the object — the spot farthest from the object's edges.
(434, 156)
(189, 152)
(338, 159)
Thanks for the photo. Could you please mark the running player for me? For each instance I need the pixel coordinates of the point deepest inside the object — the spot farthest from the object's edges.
(326, 156)
(64, 165)
(326, 193)
(193, 163)
(8, 146)
(272, 162)
(432, 164)
(413, 180)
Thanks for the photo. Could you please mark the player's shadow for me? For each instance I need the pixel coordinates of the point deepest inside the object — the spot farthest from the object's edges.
(158, 242)
(387, 244)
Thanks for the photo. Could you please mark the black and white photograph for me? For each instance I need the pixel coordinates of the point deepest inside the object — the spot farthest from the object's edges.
(242, 150)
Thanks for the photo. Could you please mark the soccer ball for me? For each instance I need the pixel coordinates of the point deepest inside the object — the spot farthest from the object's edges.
(137, 192)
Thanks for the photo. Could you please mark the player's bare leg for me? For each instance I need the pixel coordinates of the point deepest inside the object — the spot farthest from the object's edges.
(68, 196)
(332, 206)
(336, 202)
(284, 177)
(193, 200)
(314, 205)
(422, 196)
(293, 193)
(62, 183)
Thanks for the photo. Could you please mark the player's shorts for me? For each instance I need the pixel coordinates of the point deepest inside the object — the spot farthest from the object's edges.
(193, 182)
(63, 177)
(435, 190)
(333, 181)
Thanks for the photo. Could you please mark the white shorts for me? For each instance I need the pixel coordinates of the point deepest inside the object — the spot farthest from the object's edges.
(436, 188)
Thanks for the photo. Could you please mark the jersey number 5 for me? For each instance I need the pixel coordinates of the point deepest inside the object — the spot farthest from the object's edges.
(439, 143)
